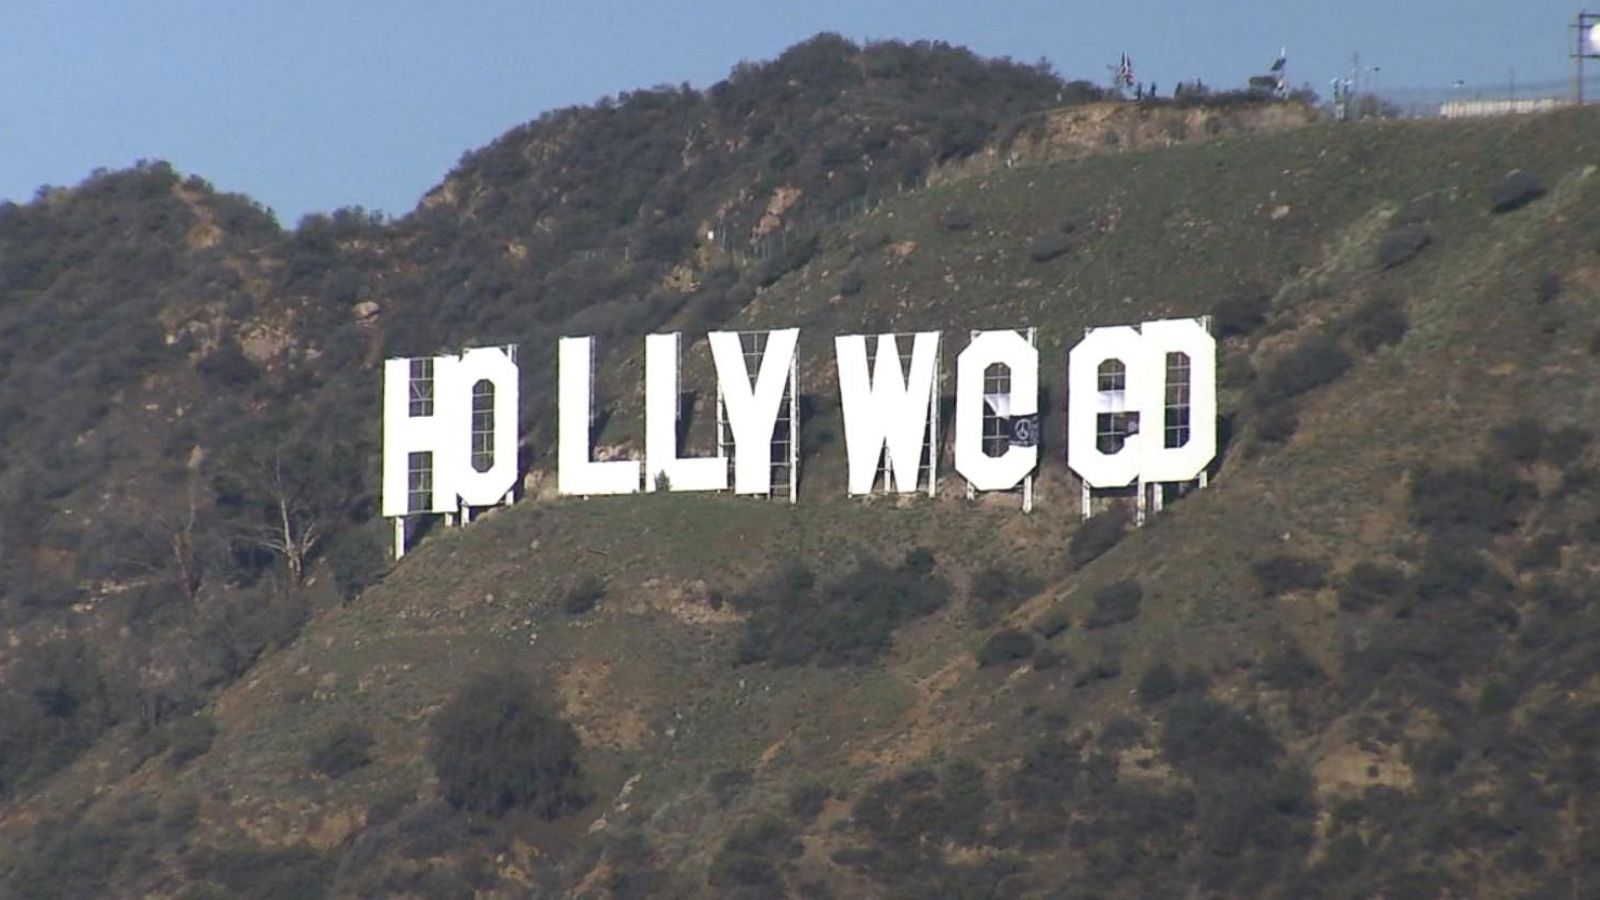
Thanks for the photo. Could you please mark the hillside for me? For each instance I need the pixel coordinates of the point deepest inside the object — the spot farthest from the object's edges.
(1359, 664)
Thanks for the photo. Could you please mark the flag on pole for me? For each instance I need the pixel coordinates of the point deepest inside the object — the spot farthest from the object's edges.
(1125, 71)
(1281, 61)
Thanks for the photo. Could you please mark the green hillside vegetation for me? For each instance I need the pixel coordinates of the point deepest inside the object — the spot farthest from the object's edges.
(1361, 663)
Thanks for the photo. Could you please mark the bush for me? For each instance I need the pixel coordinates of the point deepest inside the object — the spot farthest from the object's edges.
(955, 218)
(1496, 697)
(1240, 314)
(1047, 657)
(1095, 536)
(851, 620)
(1378, 322)
(1369, 584)
(1291, 669)
(807, 800)
(1277, 424)
(1400, 245)
(1451, 570)
(727, 785)
(1520, 441)
(496, 745)
(253, 872)
(190, 737)
(851, 283)
(1052, 623)
(1200, 733)
(998, 589)
(342, 750)
(358, 556)
(1541, 552)
(228, 365)
(1471, 504)
(1158, 682)
(921, 808)
(751, 857)
(1514, 191)
(583, 596)
(1566, 445)
(1048, 246)
(1006, 647)
(1116, 603)
(1315, 361)
(1547, 288)
(1284, 573)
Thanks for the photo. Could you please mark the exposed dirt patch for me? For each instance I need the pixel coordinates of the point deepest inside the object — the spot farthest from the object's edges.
(595, 709)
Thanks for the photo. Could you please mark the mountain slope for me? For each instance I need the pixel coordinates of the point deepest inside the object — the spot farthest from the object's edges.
(1268, 716)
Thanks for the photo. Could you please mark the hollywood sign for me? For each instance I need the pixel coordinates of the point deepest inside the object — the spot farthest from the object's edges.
(1141, 413)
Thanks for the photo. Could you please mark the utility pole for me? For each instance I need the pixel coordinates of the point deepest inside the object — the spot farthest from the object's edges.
(1587, 29)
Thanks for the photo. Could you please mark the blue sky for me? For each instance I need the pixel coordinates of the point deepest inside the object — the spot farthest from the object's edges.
(309, 105)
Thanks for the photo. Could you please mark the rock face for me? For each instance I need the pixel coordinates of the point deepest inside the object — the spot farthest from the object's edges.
(1079, 131)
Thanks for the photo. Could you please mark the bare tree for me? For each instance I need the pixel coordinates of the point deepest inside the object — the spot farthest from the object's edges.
(293, 532)
(184, 555)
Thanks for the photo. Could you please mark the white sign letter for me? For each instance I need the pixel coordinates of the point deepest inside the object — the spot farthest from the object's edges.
(662, 412)
(1012, 350)
(753, 411)
(1142, 403)
(449, 431)
(888, 410)
(578, 472)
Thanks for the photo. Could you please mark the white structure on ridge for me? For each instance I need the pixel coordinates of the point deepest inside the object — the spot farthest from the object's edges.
(1142, 408)
(450, 435)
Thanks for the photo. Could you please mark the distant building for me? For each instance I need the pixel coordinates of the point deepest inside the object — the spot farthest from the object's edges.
(1467, 109)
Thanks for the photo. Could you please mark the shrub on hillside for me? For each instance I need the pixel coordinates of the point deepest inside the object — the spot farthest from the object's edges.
(1114, 604)
(1547, 288)
(1158, 682)
(1283, 573)
(1007, 647)
(807, 800)
(1290, 669)
(496, 745)
(1048, 246)
(1378, 322)
(1541, 552)
(1468, 503)
(1514, 191)
(1368, 585)
(1451, 571)
(727, 785)
(1400, 245)
(851, 283)
(1566, 445)
(358, 556)
(1277, 424)
(1520, 441)
(924, 807)
(1200, 733)
(343, 749)
(189, 738)
(752, 858)
(997, 589)
(1240, 314)
(1052, 623)
(1099, 533)
(228, 364)
(1314, 362)
(254, 872)
(794, 619)
(955, 218)
(584, 595)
